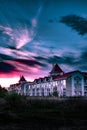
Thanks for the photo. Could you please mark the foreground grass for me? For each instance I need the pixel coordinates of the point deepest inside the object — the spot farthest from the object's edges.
(22, 113)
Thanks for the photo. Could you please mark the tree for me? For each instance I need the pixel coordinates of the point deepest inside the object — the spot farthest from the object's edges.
(3, 91)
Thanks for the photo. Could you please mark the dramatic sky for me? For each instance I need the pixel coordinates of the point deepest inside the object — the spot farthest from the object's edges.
(34, 34)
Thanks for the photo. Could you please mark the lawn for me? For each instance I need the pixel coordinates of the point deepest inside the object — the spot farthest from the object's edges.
(25, 113)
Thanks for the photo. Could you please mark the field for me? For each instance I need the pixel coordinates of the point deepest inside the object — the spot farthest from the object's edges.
(25, 113)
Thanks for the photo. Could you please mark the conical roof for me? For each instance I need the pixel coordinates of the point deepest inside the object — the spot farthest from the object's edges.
(56, 70)
(22, 79)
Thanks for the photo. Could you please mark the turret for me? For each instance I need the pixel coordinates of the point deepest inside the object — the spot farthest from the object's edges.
(56, 70)
(22, 79)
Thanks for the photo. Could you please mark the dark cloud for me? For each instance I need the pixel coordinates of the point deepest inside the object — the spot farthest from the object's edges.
(79, 62)
(76, 22)
(6, 67)
(39, 58)
(5, 57)
(66, 59)
(29, 62)
(55, 59)
(62, 60)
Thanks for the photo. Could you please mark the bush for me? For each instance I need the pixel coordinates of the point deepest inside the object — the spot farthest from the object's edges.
(55, 94)
(15, 101)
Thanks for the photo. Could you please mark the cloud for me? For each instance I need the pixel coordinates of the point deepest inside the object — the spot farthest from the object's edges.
(30, 62)
(22, 36)
(57, 59)
(40, 58)
(5, 57)
(19, 36)
(19, 22)
(23, 31)
(6, 30)
(31, 69)
(82, 61)
(6, 67)
(76, 22)
(69, 59)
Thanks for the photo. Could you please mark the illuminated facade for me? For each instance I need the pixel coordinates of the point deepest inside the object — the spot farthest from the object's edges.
(57, 83)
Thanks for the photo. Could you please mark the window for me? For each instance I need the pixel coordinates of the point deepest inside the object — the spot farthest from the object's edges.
(48, 90)
(64, 82)
(55, 89)
(85, 93)
(42, 92)
(37, 89)
(77, 82)
(78, 93)
(64, 94)
(33, 92)
(85, 87)
(85, 82)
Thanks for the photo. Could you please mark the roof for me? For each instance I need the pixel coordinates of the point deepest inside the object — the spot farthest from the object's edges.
(65, 75)
(22, 78)
(48, 78)
(56, 69)
(85, 73)
(68, 74)
(58, 77)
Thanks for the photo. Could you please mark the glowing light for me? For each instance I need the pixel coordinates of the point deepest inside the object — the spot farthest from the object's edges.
(5, 82)
(23, 38)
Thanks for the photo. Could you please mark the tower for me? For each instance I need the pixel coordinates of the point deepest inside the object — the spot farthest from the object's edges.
(56, 70)
(22, 79)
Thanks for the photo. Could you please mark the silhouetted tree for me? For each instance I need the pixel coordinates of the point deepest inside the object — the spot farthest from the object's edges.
(3, 91)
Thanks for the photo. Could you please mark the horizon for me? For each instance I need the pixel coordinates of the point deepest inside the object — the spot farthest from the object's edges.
(36, 34)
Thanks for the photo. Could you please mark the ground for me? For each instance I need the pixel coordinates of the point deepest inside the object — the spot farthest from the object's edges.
(25, 113)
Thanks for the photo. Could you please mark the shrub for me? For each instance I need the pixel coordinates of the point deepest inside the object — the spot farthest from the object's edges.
(55, 93)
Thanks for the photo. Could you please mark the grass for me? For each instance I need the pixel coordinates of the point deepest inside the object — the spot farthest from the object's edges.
(22, 113)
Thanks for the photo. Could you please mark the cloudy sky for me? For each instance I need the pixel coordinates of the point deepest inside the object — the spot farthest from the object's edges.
(34, 34)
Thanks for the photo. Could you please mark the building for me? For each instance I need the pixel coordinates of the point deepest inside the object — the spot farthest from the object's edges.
(57, 83)
(19, 87)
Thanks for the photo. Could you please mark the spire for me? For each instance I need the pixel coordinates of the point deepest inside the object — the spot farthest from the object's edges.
(56, 70)
(22, 79)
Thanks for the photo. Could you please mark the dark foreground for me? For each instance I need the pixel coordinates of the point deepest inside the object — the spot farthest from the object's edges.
(21, 113)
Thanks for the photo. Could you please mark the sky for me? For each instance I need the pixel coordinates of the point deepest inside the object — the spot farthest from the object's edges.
(35, 34)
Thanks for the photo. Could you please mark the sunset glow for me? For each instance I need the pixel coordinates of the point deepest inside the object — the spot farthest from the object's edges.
(5, 82)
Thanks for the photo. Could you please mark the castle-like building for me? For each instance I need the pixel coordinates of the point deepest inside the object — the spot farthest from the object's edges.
(57, 83)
